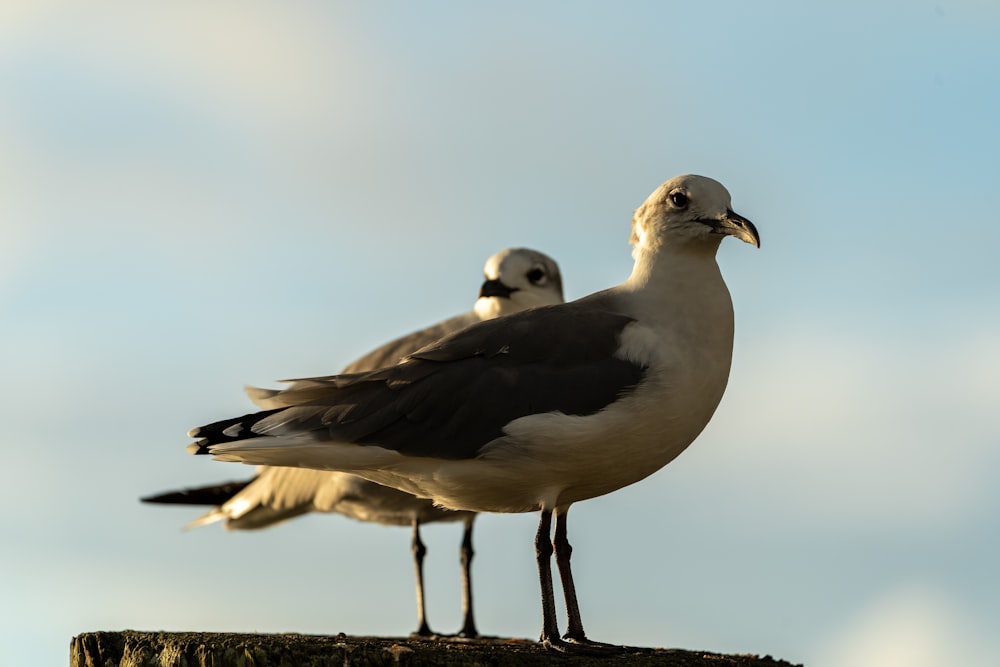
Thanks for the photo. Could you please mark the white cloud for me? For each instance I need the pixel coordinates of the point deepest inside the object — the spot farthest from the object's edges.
(861, 429)
(912, 626)
(18, 222)
(260, 57)
(172, 129)
(215, 120)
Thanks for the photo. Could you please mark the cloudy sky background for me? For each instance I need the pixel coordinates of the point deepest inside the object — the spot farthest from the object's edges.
(198, 196)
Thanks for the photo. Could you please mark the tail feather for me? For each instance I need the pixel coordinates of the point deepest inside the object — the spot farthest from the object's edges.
(213, 515)
(260, 516)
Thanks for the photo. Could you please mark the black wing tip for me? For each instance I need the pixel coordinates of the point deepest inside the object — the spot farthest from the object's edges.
(199, 447)
(216, 494)
(166, 498)
(227, 430)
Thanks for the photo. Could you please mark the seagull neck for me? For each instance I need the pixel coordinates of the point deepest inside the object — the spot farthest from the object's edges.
(679, 291)
(672, 265)
(486, 308)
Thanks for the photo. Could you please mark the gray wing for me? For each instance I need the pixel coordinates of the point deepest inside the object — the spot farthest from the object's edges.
(393, 351)
(384, 355)
(449, 399)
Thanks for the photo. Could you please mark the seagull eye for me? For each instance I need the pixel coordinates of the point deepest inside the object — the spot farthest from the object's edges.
(536, 276)
(679, 199)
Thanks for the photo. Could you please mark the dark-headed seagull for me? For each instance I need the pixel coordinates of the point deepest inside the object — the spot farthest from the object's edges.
(515, 279)
(540, 409)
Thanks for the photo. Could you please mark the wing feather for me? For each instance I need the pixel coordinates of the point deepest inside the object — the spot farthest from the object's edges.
(452, 397)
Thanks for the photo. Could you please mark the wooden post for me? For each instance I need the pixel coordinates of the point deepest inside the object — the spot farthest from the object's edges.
(130, 648)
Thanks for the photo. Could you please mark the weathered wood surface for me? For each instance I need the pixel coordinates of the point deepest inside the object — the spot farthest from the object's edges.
(130, 648)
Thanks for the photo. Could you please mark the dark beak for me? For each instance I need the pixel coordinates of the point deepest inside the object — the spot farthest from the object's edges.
(496, 288)
(734, 224)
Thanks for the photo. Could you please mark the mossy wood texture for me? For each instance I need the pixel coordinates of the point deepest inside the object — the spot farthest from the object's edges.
(130, 648)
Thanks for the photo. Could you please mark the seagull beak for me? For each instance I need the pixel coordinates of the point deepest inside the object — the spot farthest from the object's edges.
(495, 288)
(734, 224)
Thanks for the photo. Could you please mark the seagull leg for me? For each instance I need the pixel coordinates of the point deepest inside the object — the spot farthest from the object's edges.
(574, 624)
(543, 552)
(419, 551)
(563, 551)
(469, 625)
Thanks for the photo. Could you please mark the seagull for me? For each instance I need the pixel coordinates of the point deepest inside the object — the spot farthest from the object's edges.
(540, 409)
(515, 279)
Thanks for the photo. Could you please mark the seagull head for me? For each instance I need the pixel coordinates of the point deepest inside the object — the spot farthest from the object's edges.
(518, 279)
(689, 209)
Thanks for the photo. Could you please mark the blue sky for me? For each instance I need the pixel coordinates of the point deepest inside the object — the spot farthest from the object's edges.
(196, 197)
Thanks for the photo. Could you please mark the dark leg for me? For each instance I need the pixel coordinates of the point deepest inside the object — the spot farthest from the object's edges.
(574, 625)
(563, 550)
(419, 551)
(469, 625)
(543, 552)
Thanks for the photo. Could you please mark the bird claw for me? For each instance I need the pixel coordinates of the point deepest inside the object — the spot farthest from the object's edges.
(575, 646)
(584, 646)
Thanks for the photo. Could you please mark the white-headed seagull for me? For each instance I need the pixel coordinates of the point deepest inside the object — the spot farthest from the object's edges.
(515, 279)
(540, 409)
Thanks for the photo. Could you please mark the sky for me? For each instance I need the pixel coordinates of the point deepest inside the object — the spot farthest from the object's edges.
(198, 196)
